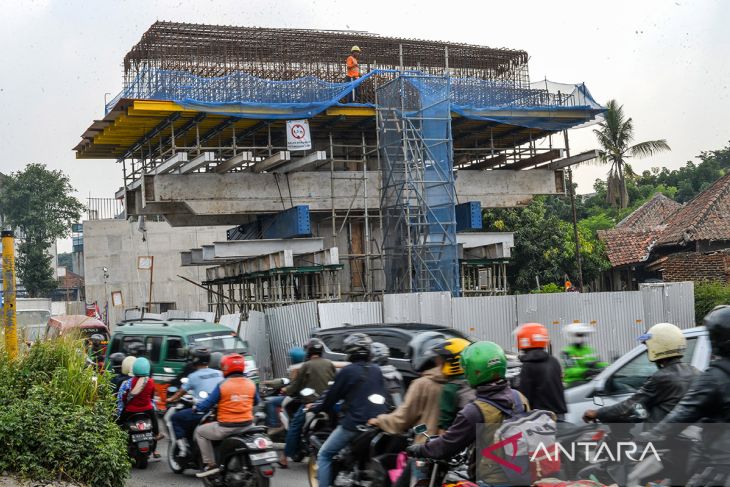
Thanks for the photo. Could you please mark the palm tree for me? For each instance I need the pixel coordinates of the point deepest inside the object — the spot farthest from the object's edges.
(615, 135)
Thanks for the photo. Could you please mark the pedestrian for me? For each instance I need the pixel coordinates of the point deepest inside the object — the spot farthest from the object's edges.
(355, 385)
(540, 375)
(665, 346)
(353, 69)
(316, 373)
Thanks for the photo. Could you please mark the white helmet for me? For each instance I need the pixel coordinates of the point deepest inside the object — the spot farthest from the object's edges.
(664, 340)
(576, 331)
(127, 365)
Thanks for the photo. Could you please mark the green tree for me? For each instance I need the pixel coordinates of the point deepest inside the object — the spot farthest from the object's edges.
(37, 203)
(614, 136)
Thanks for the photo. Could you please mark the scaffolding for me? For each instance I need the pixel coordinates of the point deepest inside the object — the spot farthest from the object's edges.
(418, 196)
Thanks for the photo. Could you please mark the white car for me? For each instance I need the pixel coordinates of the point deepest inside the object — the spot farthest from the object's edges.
(626, 375)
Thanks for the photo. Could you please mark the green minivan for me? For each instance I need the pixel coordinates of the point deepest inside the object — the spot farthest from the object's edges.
(167, 344)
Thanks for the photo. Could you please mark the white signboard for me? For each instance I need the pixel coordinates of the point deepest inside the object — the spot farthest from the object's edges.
(297, 135)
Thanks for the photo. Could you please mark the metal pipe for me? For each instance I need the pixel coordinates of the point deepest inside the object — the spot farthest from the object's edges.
(9, 318)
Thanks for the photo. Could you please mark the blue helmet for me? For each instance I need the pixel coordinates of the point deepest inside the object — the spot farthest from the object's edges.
(141, 367)
(297, 355)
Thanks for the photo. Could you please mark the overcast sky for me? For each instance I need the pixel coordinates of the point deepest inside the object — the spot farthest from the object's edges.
(667, 62)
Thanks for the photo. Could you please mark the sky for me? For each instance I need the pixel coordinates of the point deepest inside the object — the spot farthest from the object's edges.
(665, 61)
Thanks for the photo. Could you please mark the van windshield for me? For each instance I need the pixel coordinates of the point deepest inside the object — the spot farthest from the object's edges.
(221, 341)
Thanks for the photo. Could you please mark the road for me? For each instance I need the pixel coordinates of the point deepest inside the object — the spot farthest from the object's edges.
(159, 474)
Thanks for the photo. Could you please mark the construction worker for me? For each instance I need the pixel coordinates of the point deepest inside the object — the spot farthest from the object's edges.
(665, 346)
(456, 392)
(353, 69)
(540, 374)
(580, 361)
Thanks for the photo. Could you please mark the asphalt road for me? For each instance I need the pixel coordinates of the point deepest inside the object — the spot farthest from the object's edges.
(159, 474)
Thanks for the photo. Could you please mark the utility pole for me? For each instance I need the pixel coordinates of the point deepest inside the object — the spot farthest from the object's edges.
(578, 260)
(9, 323)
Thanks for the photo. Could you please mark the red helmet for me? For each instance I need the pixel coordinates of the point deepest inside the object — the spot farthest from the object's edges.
(532, 335)
(233, 364)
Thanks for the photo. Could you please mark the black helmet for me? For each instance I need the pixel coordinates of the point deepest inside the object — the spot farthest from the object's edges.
(717, 323)
(215, 360)
(380, 353)
(199, 356)
(357, 346)
(423, 349)
(314, 346)
(115, 360)
(96, 339)
(136, 348)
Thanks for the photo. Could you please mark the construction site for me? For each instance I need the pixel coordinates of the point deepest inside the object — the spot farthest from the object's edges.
(334, 189)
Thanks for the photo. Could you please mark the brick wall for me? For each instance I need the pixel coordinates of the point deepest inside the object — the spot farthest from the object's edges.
(692, 266)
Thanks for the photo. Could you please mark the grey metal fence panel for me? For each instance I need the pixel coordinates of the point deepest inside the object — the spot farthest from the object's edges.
(486, 318)
(618, 318)
(289, 326)
(254, 332)
(231, 321)
(669, 302)
(339, 314)
(433, 307)
(205, 315)
(553, 310)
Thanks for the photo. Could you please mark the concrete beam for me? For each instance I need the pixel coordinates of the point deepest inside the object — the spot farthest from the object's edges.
(170, 164)
(252, 248)
(569, 161)
(234, 162)
(275, 160)
(299, 164)
(199, 161)
(479, 239)
(505, 189)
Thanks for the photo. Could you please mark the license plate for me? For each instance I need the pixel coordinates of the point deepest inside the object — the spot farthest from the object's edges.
(142, 437)
(261, 458)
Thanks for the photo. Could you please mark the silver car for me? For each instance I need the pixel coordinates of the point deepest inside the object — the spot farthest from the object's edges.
(626, 375)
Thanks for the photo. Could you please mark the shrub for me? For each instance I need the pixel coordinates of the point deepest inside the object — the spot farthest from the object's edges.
(549, 289)
(57, 419)
(707, 296)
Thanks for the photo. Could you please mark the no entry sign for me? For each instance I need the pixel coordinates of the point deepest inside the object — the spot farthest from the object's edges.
(297, 135)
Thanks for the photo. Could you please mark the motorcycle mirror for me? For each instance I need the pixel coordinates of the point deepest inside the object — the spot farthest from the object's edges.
(172, 390)
(598, 400)
(184, 380)
(307, 391)
(376, 399)
(330, 383)
(202, 394)
(285, 381)
(420, 429)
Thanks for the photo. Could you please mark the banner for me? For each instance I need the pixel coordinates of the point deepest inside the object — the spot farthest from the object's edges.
(297, 135)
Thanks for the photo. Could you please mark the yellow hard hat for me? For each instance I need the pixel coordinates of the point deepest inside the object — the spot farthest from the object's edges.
(355, 49)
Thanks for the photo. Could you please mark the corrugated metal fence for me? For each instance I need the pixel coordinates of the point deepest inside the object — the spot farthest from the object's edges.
(619, 317)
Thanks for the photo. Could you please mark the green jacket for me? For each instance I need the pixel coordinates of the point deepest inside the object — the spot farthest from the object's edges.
(455, 394)
(578, 362)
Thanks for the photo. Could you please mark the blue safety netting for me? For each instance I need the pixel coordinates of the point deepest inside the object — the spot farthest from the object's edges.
(242, 95)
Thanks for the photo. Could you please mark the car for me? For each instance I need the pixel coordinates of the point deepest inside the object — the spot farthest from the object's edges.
(626, 375)
(62, 325)
(396, 337)
(167, 344)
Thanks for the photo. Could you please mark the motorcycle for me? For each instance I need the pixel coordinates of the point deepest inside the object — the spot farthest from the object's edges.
(141, 443)
(191, 460)
(245, 460)
(448, 472)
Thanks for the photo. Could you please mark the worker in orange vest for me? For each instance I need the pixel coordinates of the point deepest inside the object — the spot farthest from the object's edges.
(353, 69)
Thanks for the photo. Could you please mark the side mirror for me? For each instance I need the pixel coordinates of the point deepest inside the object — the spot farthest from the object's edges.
(184, 380)
(376, 399)
(420, 429)
(306, 392)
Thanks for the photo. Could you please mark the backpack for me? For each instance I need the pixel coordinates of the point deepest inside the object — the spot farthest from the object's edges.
(523, 444)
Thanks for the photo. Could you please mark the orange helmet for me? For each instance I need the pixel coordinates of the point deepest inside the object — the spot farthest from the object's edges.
(233, 364)
(532, 335)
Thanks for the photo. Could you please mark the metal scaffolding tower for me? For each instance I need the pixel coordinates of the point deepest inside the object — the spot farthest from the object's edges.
(418, 197)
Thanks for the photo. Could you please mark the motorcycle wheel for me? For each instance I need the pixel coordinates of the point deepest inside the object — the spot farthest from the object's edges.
(172, 462)
(140, 461)
(261, 481)
(312, 471)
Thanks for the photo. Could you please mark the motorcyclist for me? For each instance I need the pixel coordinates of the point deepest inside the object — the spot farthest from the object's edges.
(296, 356)
(708, 399)
(580, 361)
(485, 368)
(202, 380)
(421, 404)
(456, 392)
(355, 384)
(136, 394)
(136, 348)
(235, 397)
(540, 375)
(96, 349)
(392, 376)
(115, 362)
(665, 346)
(315, 373)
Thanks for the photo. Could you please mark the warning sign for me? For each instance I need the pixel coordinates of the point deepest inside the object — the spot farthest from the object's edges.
(297, 135)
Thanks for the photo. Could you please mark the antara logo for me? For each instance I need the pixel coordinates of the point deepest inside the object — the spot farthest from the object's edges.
(488, 452)
(595, 452)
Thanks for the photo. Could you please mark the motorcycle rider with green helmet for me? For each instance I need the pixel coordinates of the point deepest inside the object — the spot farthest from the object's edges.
(485, 367)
